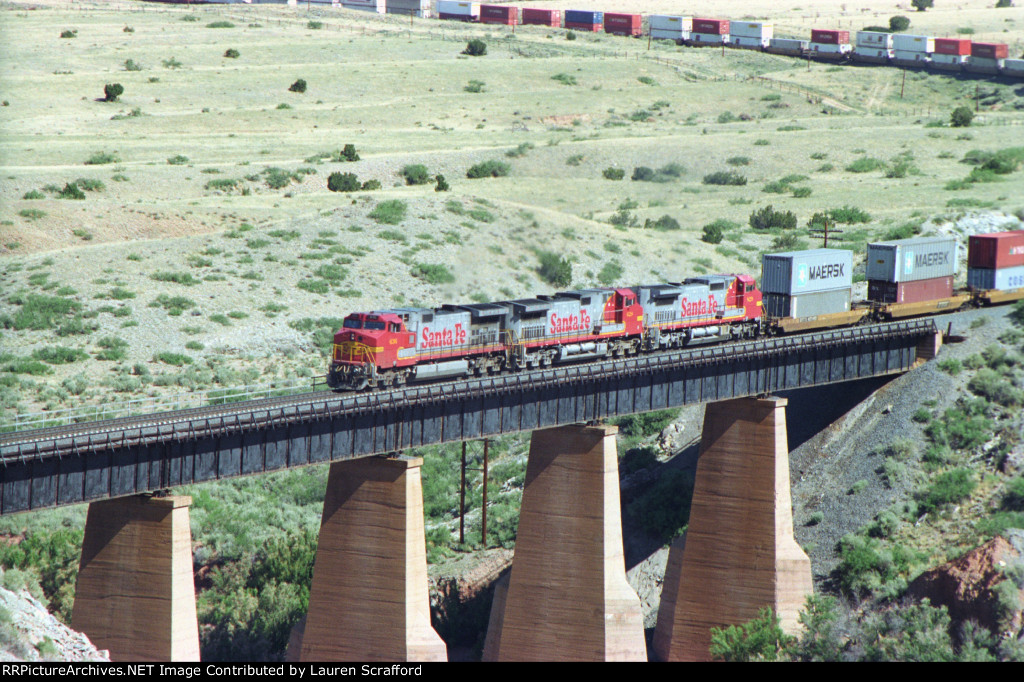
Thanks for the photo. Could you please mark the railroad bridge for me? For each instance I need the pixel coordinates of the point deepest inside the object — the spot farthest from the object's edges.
(566, 597)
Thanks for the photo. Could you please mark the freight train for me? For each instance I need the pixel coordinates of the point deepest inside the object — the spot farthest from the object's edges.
(800, 291)
(872, 47)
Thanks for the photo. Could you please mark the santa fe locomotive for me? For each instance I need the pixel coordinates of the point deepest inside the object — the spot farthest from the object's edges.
(392, 347)
(800, 291)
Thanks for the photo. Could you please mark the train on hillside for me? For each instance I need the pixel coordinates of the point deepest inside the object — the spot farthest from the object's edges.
(799, 291)
(874, 46)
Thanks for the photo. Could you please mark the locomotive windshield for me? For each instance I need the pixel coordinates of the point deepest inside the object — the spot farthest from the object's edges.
(353, 324)
(370, 324)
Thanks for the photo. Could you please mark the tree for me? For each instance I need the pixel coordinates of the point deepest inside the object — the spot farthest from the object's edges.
(712, 234)
(475, 48)
(111, 91)
(342, 182)
(961, 117)
(442, 184)
(298, 86)
(231, 53)
(554, 270)
(1004, 3)
(349, 153)
(416, 174)
(899, 23)
(922, 5)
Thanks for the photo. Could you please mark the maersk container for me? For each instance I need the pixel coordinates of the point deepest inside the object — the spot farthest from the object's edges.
(718, 27)
(623, 24)
(912, 43)
(909, 260)
(499, 14)
(830, 37)
(1002, 279)
(990, 50)
(456, 9)
(916, 291)
(874, 39)
(807, 305)
(542, 17)
(803, 272)
(665, 22)
(996, 250)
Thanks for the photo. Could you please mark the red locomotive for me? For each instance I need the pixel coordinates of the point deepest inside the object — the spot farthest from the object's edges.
(392, 347)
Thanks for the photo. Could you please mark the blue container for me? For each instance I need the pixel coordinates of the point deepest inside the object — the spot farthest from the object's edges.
(577, 16)
(1003, 279)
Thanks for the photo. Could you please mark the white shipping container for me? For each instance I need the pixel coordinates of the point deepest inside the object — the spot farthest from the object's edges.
(874, 39)
(788, 44)
(666, 34)
(748, 43)
(949, 61)
(801, 272)
(910, 58)
(909, 43)
(1002, 279)
(1013, 67)
(365, 5)
(709, 38)
(872, 54)
(827, 48)
(466, 9)
(419, 8)
(751, 29)
(666, 22)
(983, 65)
(911, 260)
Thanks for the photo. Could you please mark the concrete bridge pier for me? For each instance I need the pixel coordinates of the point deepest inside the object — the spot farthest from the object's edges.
(135, 594)
(567, 598)
(740, 555)
(369, 600)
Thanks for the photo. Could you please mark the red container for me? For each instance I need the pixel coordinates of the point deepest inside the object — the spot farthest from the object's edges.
(954, 46)
(910, 292)
(830, 37)
(990, 50)
(543, 17)
(623, 24)
(718, 27)
(499, 14)
(995, 251)
(576, 26)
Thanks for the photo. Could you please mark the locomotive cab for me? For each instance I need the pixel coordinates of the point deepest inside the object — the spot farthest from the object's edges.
(366, 342)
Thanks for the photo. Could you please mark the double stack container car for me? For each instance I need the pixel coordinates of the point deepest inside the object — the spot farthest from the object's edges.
(829, 44)
(995, 263)
(987, 58)
(710, 31)
(669, 27)
(873, 47)
(751, 35)
(911, 270)
(951, 54)
(800, 286)
(913, 51)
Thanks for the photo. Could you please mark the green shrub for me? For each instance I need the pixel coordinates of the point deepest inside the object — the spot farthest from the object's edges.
(768, 218)
(177, 160)
(1013, 498)
(865, 165)
(231, 53)
(391, 212)
(475, 86)
(71, 191)
(370, 185)
(520, 150)
(432, 273)
(176, 359)
(342, 182)
(184, 278)
(961, 117)
(111, 91)
(314, 25)
(101, 158)
(69, 33)
(32, 214)
(947, 488)
(174, 305)
(760, 639)
(220, 24)
(298, 86)
(39, 311)
(442, 184)
(416, 174)
(554, 270)
(665, 223)
(485, 169)
(898, 23)
(610, 273)
(131, 65)
(613, 173)
(566, 79)
(724, 178)
(475, 48)
(712, 234)
(738, 161)
(59, 355)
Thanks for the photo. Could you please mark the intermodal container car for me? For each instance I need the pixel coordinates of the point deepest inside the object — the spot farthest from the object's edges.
(623, 24)
(542, 17)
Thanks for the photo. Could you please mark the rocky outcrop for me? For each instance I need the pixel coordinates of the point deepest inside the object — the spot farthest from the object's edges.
(970, 586)
(29, 633)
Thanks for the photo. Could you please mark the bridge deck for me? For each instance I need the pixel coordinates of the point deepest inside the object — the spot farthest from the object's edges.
(100, 460)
